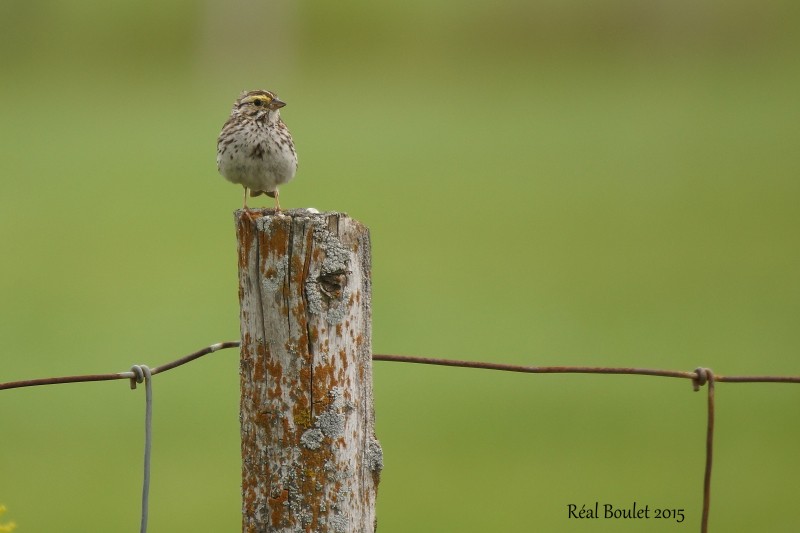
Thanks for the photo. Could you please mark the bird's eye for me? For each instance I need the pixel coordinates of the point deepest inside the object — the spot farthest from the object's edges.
(258, 103)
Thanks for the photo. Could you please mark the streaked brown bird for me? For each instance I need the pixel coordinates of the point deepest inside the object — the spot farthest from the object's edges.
(255, 148)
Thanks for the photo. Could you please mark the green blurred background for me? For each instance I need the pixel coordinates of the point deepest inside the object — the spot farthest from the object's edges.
(547, 182)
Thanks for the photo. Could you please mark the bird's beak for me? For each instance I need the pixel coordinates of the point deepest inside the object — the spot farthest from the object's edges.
(277, 104)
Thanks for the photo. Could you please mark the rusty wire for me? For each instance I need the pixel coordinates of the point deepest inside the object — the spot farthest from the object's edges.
(699, 377)
(120, 375)
(693, 376)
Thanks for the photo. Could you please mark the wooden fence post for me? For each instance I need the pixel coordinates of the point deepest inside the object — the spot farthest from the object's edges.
(310, 459)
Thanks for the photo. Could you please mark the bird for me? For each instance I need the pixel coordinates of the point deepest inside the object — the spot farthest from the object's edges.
(255, 148)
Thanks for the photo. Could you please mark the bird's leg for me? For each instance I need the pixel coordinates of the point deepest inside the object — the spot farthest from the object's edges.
(244, 201)
(277, 202)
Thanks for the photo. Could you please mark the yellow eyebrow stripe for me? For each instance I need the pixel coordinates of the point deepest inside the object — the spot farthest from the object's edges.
(257, 97)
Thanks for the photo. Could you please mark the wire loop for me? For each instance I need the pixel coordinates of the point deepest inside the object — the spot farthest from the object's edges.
(140, 373)
(702, 376)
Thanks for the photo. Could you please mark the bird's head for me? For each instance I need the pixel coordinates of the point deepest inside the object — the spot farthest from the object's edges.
(258, 104)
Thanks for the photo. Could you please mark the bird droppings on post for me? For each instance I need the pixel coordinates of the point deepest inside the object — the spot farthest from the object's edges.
(310, 460)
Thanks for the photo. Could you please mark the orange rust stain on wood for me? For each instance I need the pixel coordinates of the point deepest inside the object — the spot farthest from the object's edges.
(297, 269)
(314, 498)
(314, 472)
(269, 272)
(297, 282)
(301, 411)
(246, 346)
(275, 371)
(324, 380)
(263, 418)
(305, 377)
(244, 234)
(299, 314)
(273, 241)
(309, 244)
(261, 354)
(288, 434)
(338, 330)
(340, 379)
(277, 237)
(241, 299)
(302, 344)
(278, 508)
(249, 497)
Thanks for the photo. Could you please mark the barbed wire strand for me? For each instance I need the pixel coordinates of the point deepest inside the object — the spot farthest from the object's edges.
(699, 377)
(143, 373)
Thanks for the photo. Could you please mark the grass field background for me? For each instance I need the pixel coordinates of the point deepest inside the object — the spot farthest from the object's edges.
(576, 183)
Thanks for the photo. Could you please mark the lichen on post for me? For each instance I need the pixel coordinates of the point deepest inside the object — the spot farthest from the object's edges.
(310, 459)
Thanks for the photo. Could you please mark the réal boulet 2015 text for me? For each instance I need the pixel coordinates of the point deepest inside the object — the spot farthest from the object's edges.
(634, 512)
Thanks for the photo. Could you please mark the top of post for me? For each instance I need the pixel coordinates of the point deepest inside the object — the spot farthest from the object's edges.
(303, 212)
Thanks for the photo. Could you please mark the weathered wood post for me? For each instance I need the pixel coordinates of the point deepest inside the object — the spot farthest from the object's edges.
(310, 459)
